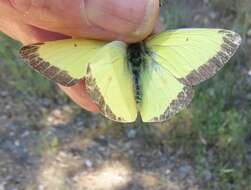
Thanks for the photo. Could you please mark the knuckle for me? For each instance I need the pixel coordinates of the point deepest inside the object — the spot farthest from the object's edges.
(26, 5)
(20, 5)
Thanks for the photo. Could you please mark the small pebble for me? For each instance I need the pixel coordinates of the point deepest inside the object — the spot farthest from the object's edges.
(25, 134)
(131, 133)
(12, 134)
(207, 175)
(213, 15)
(4, 94)
(168, 172)
(41, 187)
(88, 163)
(185, 170)
(2, 186)
(17, 143)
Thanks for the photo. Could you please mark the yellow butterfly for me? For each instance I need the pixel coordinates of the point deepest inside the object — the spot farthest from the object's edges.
(154, 77)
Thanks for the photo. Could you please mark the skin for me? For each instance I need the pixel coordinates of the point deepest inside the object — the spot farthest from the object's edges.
(30, 21)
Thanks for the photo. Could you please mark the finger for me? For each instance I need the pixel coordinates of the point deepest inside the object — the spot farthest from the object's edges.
(80, 96)
(28, 34)
(132, 18)
(25, 33)
(129, 20)
(159, 27)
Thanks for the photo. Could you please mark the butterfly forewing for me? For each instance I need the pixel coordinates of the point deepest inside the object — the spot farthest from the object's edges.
(193, 55)
(63, 61)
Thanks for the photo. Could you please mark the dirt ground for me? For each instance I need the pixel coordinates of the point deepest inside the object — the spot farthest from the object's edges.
(70, 155)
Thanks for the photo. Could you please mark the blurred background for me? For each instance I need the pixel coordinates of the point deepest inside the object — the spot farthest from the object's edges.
(47, 142)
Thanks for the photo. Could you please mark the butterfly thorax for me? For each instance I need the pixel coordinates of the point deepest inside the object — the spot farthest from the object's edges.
(136, 60)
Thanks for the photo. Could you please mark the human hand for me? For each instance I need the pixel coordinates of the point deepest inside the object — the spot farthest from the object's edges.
(30, 21)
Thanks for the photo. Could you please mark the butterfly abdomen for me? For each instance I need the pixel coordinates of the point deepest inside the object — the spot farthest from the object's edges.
(135, 61)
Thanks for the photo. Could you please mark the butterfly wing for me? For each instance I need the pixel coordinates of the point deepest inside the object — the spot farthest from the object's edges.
(193, 55)
(176, 61)
(63, 61)
(162, 94)
(110, 84)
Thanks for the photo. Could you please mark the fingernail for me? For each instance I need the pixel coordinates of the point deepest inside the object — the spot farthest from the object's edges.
(149, 18)
(128, 18)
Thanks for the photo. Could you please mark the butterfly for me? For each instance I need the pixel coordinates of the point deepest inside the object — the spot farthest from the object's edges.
(153, 78)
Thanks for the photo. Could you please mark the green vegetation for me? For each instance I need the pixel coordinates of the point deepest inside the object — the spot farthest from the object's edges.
(16, 75)
(214, 132)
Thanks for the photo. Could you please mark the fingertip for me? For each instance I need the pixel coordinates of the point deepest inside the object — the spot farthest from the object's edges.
(131, 19)
(149, 20)
(159, 27)
(79, 95)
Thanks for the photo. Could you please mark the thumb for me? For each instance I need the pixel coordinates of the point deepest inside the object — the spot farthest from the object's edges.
(129, 20)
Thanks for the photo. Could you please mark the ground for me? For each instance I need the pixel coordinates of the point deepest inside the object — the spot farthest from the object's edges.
(47, 142)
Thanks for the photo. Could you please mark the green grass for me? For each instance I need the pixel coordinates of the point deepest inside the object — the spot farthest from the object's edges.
(214, 132)
(16, 75)
(217, 134)
(175, 17)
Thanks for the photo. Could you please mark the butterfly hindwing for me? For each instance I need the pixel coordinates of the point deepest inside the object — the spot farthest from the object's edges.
(110, 83)
(162, 94)
(193, 55)
(63, 61)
